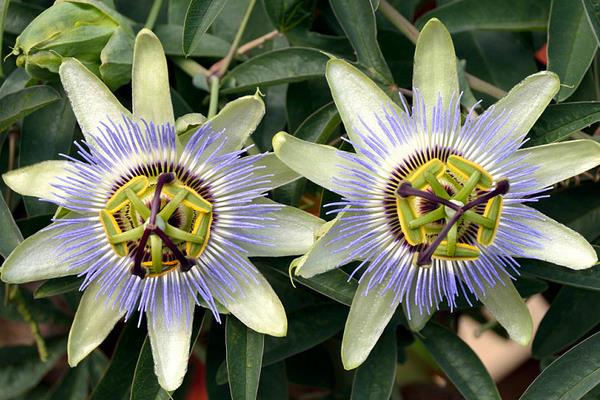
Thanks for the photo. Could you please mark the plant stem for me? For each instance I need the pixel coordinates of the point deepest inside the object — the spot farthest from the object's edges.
(243, 49)
(257, 42)
(214, 96)
(399, 21)
(13, 137)
(153, 14)
(236, 41)
(190, 67)
(17, 297)
(4, 11)
(484, 87)
(412, 33)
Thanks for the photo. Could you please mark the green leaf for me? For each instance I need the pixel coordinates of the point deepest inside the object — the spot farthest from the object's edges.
(117, 58)
(20, 15)
(501, 58)
(14, 82)
(117, 379)
(300, 106)
(275, 67)
(571, 45)
(571, 376)
(307, 327)
(210, 46)
(319, 126)
(72, 386)
(585, 218)
(22, 369)
(47, 132)
(573, 313)
(274, 383)
(374, 379)
(58, 286)
(559, 121)
(513, 15)
(215, 363)
(10, 236)
(15, 106)
(176, 11)
(3, 11)
(592, 11)
(459, 363)
(198, 18)
(244, 358)
(334, 284)
(336, 45)
(358, 22)
(97, 363)
(288, 14)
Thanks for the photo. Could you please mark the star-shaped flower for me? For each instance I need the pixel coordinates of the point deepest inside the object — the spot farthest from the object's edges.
(158, 222)
(433, 208)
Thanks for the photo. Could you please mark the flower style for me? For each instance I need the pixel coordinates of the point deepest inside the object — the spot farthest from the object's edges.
(434, 209)
(156, 221)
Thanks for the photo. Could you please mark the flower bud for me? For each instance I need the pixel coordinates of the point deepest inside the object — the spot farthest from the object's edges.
(99, 37)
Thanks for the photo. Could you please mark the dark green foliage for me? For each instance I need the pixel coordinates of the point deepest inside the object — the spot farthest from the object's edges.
(286, 45)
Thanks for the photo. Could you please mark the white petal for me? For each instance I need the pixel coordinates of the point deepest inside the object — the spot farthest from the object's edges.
(93, 321)
(170, 342)
(41, 256)
(257, 306)
(238, 119)
(291, 232)
(151, 95)
(559, 245)
(368, 317)
(509, 309)
(360, 102)
(37, 180)
(523, 105)
(91, 100)
(282, 174)
(327, 253)
(434, 72)
(559, 161)
(317, 162)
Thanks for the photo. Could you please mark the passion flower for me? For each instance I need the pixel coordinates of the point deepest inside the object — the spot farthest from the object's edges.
(434, 208)
(157, 222)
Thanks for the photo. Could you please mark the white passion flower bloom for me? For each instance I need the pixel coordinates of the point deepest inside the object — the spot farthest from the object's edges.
(434, 209)
(158, 222)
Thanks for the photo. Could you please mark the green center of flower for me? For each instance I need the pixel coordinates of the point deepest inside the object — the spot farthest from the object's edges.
(439, 202)
(159, 222)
